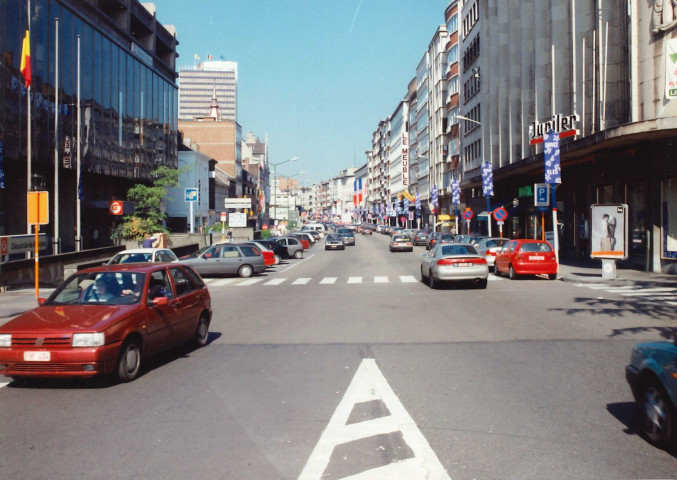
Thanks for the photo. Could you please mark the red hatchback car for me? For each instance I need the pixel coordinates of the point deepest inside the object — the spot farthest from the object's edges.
(526, 257)
(105, 320)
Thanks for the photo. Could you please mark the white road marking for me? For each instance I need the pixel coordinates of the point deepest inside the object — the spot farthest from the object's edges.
(650, 291)
(249, 281)
(301, 281)
(494, 278)
(328, 281)
(211, 282)
(381, 280)
(354, 279)
(275, 281)
(408, 279)
(3, 384)
(369, 385)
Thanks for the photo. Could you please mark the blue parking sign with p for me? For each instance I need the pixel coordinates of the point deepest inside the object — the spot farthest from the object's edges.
(191, 194)
(542, 194)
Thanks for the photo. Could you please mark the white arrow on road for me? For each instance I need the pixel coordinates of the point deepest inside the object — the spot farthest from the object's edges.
(392, 422)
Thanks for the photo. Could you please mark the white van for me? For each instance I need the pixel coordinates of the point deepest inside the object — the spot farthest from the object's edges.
(318, 227)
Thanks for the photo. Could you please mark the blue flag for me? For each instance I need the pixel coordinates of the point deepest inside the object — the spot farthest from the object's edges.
(418, 201)
(487, 180)
(455, 191)
(553, 172)
(434, 196)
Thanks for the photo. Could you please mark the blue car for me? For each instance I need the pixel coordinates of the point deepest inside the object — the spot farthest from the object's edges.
(652, 375)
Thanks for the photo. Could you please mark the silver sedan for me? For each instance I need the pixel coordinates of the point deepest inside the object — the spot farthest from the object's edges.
(454, 262)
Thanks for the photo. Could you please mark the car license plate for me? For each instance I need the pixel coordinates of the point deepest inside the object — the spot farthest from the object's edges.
(463, 264)
(37, 356)
(536, 257)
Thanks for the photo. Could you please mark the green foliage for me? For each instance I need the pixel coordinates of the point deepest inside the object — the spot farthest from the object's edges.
(149, 212)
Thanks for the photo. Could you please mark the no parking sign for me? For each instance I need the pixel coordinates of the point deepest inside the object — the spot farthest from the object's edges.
(500, 214)
(467, 214)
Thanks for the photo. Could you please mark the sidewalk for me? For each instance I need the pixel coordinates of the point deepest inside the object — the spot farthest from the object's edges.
(590, 271)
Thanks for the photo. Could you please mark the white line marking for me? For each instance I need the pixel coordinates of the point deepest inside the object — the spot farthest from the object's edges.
(328, 281)
(275, 281)
(301, 281)
(220, 282)
(592, 285)
(649, 291)
(3, 384)
(249, 281)
(354, 279)
(494, 278)
(297, 262)
(367, 385)
(381, 280)
(408, 279)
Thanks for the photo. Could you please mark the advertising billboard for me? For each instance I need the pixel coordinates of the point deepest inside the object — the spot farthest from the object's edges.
(609, 231)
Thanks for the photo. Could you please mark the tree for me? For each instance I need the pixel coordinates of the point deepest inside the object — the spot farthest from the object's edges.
(149, 213)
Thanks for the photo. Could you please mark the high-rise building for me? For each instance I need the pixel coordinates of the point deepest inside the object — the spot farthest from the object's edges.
(198, 84)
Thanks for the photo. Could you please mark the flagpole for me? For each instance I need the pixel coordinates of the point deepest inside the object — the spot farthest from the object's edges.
(29, 153)
(56, 138)
(78, 232)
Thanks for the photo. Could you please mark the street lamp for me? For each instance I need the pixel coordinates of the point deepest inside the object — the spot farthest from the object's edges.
(288, 194)
(468, 119)
(274, 165)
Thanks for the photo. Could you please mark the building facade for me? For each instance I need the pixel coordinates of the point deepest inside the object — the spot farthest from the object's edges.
(198, 84)
(128, 106)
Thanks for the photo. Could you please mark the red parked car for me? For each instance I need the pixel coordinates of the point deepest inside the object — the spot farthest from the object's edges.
(105, 320)
(526, 257)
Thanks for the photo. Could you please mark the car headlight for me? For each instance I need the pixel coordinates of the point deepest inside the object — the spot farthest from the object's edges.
(5, 340)
(88, 339)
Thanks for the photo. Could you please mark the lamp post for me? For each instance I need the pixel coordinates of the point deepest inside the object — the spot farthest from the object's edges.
(274, 165)
(288, 194)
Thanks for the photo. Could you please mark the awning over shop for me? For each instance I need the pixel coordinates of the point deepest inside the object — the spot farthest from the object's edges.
(483, 216)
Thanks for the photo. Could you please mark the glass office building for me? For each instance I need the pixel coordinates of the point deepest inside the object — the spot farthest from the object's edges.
(128, 97)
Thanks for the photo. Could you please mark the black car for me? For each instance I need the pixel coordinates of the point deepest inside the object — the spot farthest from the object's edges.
(277, 249)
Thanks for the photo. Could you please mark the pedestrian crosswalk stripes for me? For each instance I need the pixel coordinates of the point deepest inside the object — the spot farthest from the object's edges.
(350, 280)
(661, 294)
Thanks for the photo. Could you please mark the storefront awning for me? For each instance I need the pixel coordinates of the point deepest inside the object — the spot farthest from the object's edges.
(483, 216)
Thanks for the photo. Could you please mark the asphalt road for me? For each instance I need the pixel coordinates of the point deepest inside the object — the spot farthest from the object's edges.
(344, 365)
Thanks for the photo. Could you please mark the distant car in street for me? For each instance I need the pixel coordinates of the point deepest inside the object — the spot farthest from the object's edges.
(305, 239)
(421, 237)
(106, 320)
(489, 248)
(438, 238)
(334, 241)
(348, 235)
(293, 245)
(279, 251)
(652, 375)
(143, 255)
(526, 257)
(268, 254)
(401, 243)
(227, 258)
(453, 262)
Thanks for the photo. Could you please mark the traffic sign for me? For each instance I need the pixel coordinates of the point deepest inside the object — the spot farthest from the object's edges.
(38, 208)
(191, 195)
(541, 194)
(467, 214)
(115, 207)
(500, 214)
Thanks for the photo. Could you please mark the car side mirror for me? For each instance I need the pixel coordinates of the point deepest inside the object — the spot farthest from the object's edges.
(159, 301)
(41, 300)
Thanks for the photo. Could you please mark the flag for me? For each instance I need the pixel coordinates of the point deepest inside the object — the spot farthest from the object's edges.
(553, 172)
(487, 180)
(209, 57)
(26, 59)
(418, 201)
(455, 191)
(221, 57)
(197, 57)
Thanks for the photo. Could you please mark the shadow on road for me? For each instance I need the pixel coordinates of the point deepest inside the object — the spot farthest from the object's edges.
(620, 308)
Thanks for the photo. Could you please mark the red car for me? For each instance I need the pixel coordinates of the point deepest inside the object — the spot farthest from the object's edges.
(526, 257)
(105, 320)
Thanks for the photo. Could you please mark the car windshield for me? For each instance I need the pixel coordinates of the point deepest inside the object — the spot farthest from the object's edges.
(458, 250)
(96, 288)
(200, 252)
(334, 238)
(137, 257)
(345, 230)
(535, 247)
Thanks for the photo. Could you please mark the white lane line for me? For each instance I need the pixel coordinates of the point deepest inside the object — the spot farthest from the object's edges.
(649, 291)
(354, 279)
(381, 280)
(494, 278)
(408, 279)
(3, 384)
(328, 281)
(592, 285)
(249, 281)
(275, 281)
(219, 282)
(301, 281)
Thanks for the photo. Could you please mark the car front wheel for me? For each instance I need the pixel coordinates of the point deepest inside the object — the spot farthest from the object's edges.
(245, 271)
(129, 361)
(658, 414)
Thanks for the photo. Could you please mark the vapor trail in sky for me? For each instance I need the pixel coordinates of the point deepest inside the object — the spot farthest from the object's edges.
(355, 16)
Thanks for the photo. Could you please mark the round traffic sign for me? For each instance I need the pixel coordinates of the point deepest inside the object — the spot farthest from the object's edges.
(115, 207)
(500, 214)
(264, 226)
(467, 214)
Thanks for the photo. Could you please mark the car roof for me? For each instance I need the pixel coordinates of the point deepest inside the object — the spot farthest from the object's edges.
(139, 250)
(145, 267)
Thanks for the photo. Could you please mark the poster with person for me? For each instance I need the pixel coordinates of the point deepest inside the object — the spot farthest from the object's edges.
(609, 232)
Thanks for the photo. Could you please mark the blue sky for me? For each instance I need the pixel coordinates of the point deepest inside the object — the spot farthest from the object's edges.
(316, 76)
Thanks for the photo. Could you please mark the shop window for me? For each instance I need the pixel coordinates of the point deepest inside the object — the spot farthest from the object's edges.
(670, 218)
